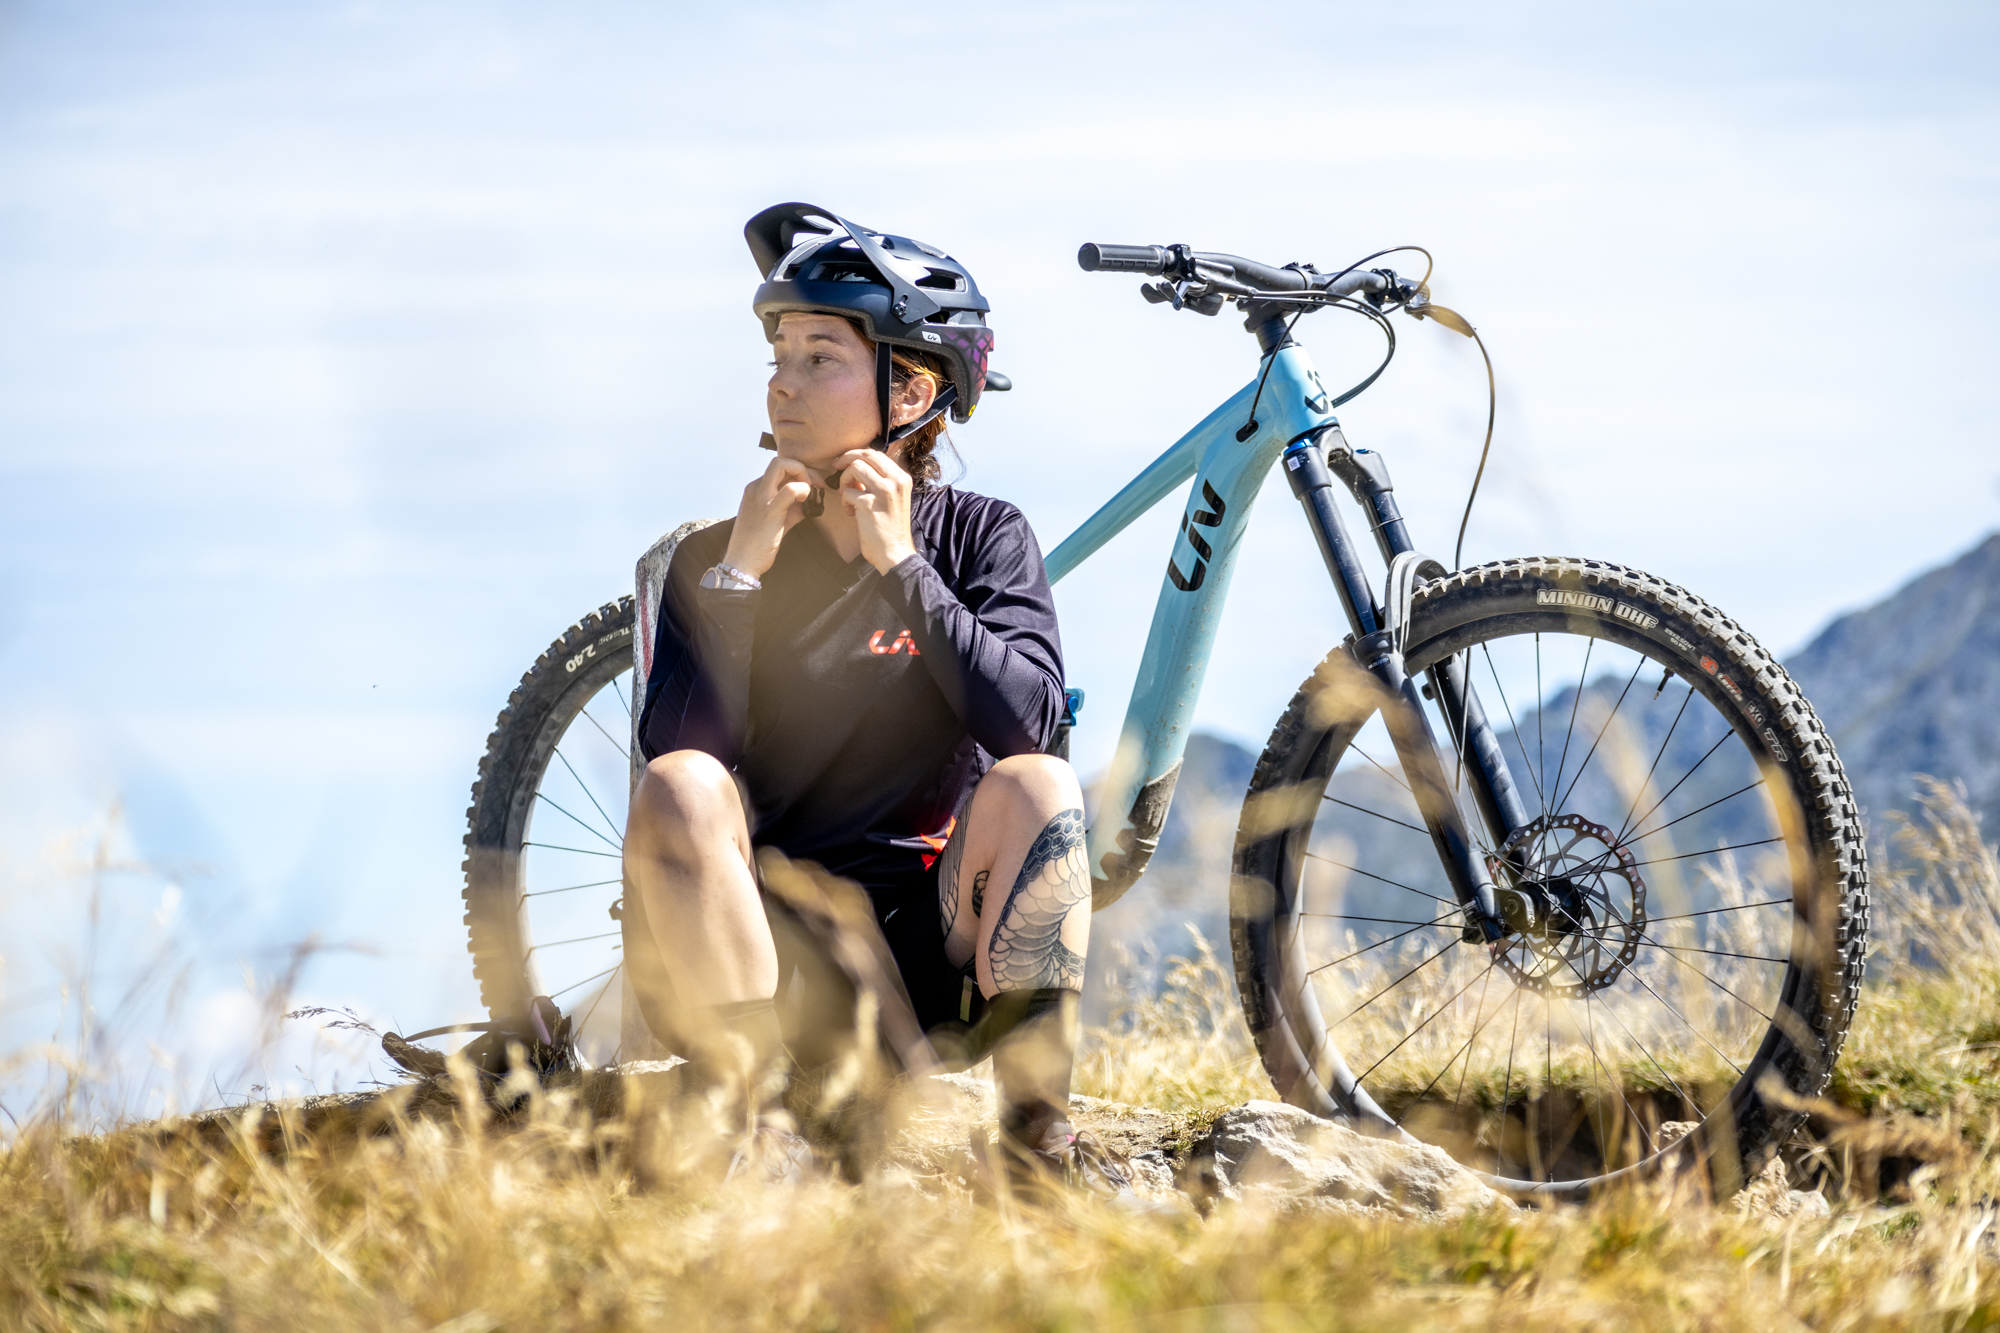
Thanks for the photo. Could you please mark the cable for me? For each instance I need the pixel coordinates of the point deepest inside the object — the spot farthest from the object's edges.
(1388, 331)
(1492, 405)
(1243, 432)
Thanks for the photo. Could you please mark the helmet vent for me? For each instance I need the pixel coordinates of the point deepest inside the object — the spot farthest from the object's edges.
(939, 280)
(845, 270)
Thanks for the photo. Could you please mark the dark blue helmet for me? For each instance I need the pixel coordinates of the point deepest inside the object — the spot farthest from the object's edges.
(902, 292)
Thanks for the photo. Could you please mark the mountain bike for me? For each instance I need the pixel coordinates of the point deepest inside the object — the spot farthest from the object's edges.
(1547, 864)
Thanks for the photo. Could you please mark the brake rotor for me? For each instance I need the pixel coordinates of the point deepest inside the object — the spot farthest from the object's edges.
(1576, 908)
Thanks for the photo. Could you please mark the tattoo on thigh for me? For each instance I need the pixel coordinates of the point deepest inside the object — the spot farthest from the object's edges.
(948, 899)
(1027, 948)
(979, 892)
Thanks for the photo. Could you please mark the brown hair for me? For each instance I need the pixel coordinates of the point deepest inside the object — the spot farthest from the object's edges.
(920, 446)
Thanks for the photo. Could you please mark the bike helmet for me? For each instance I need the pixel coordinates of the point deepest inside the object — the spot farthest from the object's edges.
(902, 292)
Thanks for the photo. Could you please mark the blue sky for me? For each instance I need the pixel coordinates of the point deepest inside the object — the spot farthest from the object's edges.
(350, 352)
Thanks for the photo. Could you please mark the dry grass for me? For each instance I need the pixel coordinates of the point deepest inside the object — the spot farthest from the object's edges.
(571, 1222)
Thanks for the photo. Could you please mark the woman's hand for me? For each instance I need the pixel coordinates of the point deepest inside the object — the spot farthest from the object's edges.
(772, 505)
(875, 489)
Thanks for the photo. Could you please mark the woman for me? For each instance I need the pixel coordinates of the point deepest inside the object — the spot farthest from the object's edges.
(862, 670)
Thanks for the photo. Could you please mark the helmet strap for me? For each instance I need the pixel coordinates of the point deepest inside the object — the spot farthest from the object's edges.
(885, 361)
(885, 374)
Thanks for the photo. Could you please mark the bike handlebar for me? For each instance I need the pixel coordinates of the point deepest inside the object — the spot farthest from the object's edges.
(1180, 263)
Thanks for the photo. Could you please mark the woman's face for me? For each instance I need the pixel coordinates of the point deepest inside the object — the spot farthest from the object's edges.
(822, 392)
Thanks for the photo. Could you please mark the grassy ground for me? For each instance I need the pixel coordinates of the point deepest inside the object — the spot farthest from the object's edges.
(569, 1222)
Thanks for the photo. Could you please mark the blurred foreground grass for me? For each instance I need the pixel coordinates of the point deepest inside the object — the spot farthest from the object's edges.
(565, 1222)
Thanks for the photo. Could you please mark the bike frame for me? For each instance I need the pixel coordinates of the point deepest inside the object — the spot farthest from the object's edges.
(1228, 455)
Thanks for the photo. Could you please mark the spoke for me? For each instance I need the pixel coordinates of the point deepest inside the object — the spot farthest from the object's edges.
(1548, 1062)
(623, 747)
(1710, 980)
(1513, 727)
(1392, 985)
(1507, 1087)
(1370, 948)
(1582, 684)
(586, 981)
(1711, 911)
(1590, 1015)
(543, 796)
(1668, 1006)
(1599, 740)
(617, 838)
(1414, 828)
(1662, 828)
(580, 851)
(580, 939)
(1726, 734)
(1465, 721)
(1649, 1055)
(1452, 902)
(1639, 793)
(1383, 771)
(1541, 752)
(1381, 920)
(1459, 1095)
(1647, 942)
(625, 699)
(1726, 847)
(576, 1028)
(1435, 1013)
(572, 888)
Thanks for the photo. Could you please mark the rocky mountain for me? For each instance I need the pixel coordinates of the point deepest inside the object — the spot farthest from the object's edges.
(1912, 685)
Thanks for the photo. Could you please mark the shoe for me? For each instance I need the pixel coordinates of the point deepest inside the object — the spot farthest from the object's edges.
(1066, 1160)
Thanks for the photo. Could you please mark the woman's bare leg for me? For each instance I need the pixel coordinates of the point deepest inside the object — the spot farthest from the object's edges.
(687, 864)
(688, 858)
(1014, 899)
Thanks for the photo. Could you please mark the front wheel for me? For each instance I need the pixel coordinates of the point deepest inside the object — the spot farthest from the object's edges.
(1686, 928)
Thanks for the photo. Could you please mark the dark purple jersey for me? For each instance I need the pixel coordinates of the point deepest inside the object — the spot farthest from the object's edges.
(858, 708)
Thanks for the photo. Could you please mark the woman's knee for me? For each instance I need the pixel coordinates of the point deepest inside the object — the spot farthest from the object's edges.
(1036, 781)
(688, 790)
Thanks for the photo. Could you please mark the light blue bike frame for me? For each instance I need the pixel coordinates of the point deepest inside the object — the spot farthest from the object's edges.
(1227, 473)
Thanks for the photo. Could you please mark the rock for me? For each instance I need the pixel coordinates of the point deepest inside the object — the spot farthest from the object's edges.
(1771, 1197)
(1289, 1158)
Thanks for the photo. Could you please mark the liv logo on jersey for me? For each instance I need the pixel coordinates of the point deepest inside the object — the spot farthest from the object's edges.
(902, 643)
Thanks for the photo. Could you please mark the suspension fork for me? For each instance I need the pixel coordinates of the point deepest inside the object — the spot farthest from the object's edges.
(1488, 772)
(1378, 649)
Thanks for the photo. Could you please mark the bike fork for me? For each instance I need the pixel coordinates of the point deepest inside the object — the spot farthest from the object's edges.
(1378, 649)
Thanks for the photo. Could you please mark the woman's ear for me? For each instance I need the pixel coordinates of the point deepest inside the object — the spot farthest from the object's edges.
(913, 399)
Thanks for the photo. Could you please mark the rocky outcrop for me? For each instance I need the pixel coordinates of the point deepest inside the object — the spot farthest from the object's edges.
(1262, 1153)
(1270, 1153)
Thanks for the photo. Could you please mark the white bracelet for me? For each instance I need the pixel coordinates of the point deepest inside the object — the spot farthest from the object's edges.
(729, 578)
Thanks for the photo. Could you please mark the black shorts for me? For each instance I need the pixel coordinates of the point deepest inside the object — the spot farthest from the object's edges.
(811, 989)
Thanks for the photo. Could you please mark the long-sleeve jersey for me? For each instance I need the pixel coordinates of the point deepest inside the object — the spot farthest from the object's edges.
(858, 708)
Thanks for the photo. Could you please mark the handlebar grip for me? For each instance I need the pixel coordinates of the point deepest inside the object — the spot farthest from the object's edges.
(1093, 258)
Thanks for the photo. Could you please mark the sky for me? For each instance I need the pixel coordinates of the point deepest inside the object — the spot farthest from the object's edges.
(350, 352)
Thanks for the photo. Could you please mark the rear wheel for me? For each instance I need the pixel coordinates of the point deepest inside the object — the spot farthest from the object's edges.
(1685, 935)
(544, 850)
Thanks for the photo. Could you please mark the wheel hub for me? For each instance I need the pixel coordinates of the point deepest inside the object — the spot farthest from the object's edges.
(1575, 911)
